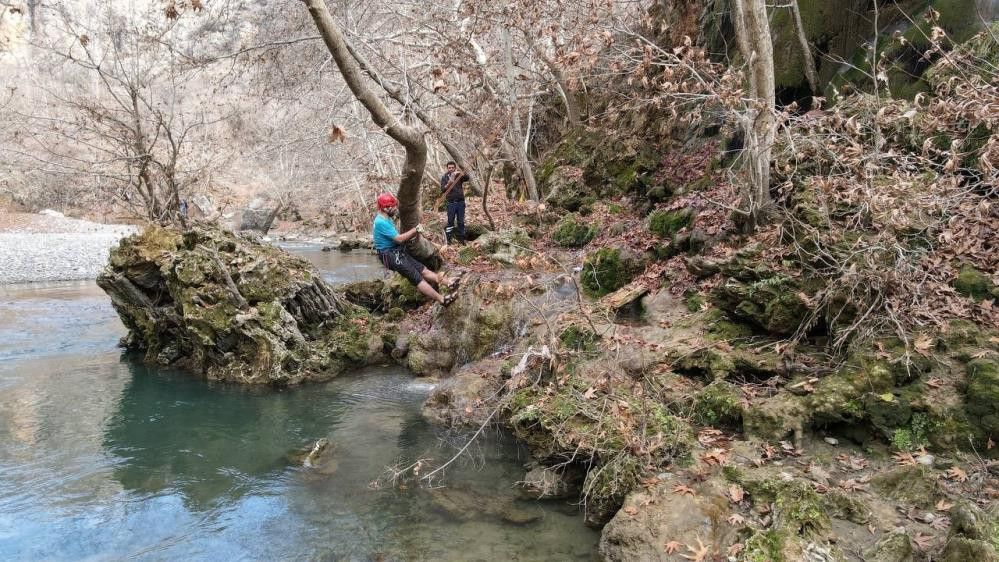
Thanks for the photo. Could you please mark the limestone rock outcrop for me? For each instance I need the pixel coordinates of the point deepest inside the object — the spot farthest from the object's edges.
(226, 307)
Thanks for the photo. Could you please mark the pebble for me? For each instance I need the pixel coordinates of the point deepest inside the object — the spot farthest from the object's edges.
(926, 460)
(831, 440)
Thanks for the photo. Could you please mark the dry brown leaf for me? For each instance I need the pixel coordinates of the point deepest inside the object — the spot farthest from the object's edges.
(630, 510)
(736, 548)
(904, 459)
(852, 485)
(336, 134)
(699, 554)
(922, 343)
(933, 382)
(673, 546)
(923, 541)
(736, 493)
(940, 523)
(944, 505)
(708, 437)
(650, 482)
(736, 519)
(716, 457)
(957, 473)
(682, 489)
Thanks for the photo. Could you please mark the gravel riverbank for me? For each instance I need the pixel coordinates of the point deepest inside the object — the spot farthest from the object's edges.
(51, 247)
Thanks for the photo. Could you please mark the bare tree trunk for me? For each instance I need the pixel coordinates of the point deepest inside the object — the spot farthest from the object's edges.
(523, 160)
(485, 196)
(410, 138)
(759, 123)
(561, 84)
(806, 50)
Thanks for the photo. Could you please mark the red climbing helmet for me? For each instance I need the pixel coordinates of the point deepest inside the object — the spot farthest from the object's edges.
(386, 200)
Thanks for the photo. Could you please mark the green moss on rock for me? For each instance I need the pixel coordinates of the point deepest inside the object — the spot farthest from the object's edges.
(982, 394)
(915, 485)
(773, 304)
(665, 224)
(607, 270)
(226, 307)
(974, 284)
(578, 338)
(572, 232)
(720, 404)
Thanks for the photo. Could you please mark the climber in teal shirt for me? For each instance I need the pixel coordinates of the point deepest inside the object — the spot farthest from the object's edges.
(388, 243)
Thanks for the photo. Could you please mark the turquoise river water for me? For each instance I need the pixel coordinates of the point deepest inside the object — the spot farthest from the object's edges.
(104, 457)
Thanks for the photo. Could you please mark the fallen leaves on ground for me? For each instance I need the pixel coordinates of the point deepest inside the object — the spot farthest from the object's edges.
(682, 489)
(716, 457)
(673, 546)
(735, 519)
(708, 437)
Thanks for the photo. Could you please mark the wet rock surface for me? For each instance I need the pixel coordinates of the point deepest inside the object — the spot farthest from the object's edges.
(467, 505)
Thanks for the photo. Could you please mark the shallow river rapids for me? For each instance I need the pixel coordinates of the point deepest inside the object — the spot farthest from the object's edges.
(104, 457)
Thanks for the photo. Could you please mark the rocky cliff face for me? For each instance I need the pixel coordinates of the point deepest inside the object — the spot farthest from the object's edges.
(221, 305)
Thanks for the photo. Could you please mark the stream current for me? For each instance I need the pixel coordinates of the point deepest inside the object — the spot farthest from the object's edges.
(105, 457)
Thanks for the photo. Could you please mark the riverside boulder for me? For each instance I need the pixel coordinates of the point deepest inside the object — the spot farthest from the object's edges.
(226, 307)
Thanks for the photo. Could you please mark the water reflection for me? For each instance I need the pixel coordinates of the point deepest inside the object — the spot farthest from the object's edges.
(104, 457)
(208, 442)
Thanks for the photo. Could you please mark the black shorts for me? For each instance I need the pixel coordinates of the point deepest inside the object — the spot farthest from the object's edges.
(399, 261)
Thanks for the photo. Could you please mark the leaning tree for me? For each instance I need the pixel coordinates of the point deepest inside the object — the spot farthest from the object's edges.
(410, 137)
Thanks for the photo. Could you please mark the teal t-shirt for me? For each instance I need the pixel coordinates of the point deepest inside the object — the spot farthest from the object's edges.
(384, 232)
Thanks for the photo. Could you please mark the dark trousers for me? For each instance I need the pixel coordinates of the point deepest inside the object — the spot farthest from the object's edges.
(455, 213)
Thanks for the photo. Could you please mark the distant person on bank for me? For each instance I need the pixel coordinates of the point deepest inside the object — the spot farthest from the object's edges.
(389, 245)
(453, 187)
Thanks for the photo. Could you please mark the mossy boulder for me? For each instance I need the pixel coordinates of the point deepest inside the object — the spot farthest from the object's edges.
(982, 394)
(912, 484)
(589, 165)
(378, 295)
(773, 304)
(503, 246)
(609, 269)
(974, 534)
(800, 516)
(573, 232)
(895, 546)
(720, 404)
(560, 423)
(776, 418)
(468, 330)
(578, 338)
(974, 284)
(227, 307)
(665, 224)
